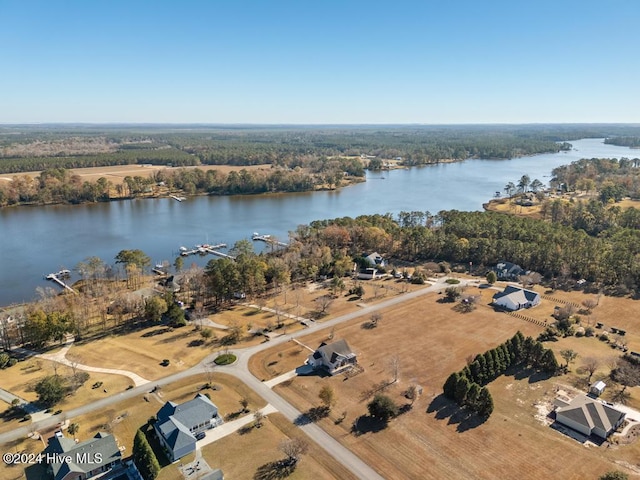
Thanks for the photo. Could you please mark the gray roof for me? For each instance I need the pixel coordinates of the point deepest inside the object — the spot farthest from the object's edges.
(335, 349)
(190, 413)
(175, 421)
(592, 413)
(102, 443)
(517, 295)
(176, 434)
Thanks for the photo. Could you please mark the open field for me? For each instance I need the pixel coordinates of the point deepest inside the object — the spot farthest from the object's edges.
(142, 351)
(20, 379)
(116, 174)
(434, 439)
(241, 455)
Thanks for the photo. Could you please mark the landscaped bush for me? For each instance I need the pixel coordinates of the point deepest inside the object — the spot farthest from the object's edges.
(225, 359)
(452, 281)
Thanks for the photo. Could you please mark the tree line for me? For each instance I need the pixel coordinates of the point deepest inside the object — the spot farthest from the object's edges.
(468, 386)
(58, 185)
(36, 149)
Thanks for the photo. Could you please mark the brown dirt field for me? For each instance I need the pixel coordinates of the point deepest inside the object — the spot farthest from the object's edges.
(431, 341)
(142, 355)
(241, 455)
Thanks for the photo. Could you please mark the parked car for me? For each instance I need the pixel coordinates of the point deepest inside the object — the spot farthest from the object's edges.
(200, 435)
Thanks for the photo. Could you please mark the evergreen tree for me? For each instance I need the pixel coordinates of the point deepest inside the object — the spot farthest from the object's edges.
(485, 403)
(449, 388)
(477, 375)
(527, 350)
(462, 388)
(491, 368)
(537, 352)
(483, 368)
(144, 457)
(473, 395)
(498, 364)
(548, 362)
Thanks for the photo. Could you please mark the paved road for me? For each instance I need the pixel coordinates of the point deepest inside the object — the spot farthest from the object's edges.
(240, 370)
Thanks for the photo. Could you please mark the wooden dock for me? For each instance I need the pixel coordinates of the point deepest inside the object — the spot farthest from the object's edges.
(55, 278)
(204, 249)
(268, 239)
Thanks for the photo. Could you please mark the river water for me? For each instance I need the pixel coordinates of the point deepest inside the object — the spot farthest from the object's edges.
(38, 240)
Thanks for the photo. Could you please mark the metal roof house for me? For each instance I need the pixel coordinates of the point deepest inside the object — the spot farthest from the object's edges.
(590, 417)
(178, 425)
(515, 298)
(335, 357)
(82, 461)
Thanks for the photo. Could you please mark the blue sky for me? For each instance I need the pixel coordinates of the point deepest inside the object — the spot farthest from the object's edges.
(327, 61)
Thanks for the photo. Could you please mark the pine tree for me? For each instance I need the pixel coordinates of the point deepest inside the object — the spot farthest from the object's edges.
(485, 403)
(491, 368)
(144, 457)
(483, 368)
(498, 365)
(449, 388)
(473, 396)
(477, 375)
(548, 362)
(527, 350)
(462, 388)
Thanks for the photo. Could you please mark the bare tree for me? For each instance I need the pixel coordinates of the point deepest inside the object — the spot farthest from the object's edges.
(589, 304)
(411, 393)
(258, 419)
(293, 448)
(590, 364)
(374, 319)
(394, 366)
(323, 303)
(244, 403)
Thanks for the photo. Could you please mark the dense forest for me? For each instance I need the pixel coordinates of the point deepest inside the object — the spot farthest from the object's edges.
(35, 148)
(632, 142)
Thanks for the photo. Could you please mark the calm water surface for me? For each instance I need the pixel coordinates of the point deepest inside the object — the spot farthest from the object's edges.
(39, 240)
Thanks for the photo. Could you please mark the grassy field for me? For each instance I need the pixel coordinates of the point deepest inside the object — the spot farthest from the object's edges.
(434, 439)
(142, 351)
(21, 378)
(241, 455)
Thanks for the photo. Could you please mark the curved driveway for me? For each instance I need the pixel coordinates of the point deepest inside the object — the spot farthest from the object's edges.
(240, 370)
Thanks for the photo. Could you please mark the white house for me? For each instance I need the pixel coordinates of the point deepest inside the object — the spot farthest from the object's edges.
(590, 417)
(515, 298)
(335, 357)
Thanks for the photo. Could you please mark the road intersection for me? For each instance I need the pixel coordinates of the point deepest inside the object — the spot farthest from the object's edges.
(240, 369)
